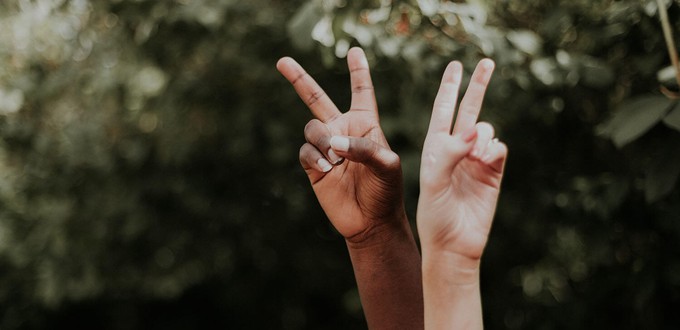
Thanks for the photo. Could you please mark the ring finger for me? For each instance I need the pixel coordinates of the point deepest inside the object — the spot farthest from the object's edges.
(318, 135)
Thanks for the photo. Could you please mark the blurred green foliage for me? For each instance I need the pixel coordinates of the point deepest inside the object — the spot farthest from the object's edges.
(149, 176)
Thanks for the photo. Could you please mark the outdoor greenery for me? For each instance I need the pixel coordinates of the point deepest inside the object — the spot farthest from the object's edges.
(149, 175)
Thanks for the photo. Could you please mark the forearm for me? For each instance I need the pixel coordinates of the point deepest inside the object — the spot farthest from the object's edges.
(387, 268)
(452, 292)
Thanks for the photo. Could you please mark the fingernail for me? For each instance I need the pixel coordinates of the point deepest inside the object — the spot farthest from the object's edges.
(333, 157)
(475, 153)
(467, 136)
(324, 165)
(340, 143)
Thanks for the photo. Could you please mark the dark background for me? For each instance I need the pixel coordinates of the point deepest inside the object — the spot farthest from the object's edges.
(149, 175)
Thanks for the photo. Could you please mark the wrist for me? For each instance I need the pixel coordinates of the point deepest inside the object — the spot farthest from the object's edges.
(381, 232)
(450, 267)
(387, 267)
(451, 290)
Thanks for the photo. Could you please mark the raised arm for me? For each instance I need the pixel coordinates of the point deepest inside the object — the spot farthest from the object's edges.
(460, 177)
(358, 181)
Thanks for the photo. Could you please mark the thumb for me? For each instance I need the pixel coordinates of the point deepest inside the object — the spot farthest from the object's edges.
(442, 155)
(366, 151)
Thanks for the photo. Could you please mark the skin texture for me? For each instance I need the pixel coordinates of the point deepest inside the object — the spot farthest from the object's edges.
(358, 181)
(461, 172)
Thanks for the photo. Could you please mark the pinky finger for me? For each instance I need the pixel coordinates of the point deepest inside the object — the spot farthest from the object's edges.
(495, 155)
(314, 162)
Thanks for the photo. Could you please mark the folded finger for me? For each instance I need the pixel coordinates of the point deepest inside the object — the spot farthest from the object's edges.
(495, 155)
(441, 158)
(313, 162)
(318, 135)
(485, 133)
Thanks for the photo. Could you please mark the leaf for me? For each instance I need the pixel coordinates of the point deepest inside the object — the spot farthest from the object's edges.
(662, 175)
(302, 24)
(546, 70)
(596, 73)
(10, 101)
(323, 32)
(428, 7)
(526, 41)
(667, 76)
(635, 117)
(672, 120)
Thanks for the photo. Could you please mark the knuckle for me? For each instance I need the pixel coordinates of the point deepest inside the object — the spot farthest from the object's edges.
(303, 155)
(392, 161)
(363, 149)
(311, 127)
(369, 148)
(315, 96)
(362, 88)
(308, 128)
(302, 74)
(315, 133)
(360, 69)
(304, 151)
(321, 142)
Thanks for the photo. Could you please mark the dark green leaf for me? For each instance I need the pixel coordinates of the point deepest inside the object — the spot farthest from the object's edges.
(301, 25)
(635, 118)
(672, 119)
(662, 175)
(596, 73)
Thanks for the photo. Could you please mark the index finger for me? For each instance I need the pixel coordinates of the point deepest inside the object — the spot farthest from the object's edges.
(471, 104)
(309, 91)
(445, 101)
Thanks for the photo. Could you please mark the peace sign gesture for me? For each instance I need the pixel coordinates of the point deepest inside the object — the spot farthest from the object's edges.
(364, 191)
(460, 176)
(461, 168)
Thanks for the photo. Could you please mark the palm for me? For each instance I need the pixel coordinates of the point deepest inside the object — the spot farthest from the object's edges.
(458, 190)
(462, 210)
(353, 195)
